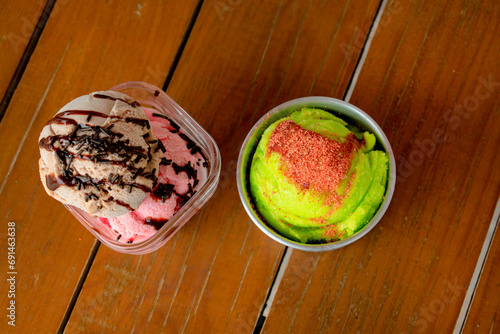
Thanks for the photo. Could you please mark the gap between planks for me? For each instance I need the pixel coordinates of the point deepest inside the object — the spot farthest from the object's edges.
(32, 121)
(182, 45)
(79, 286)
(25, 58)
(350, 88)
(364, 50)
(481, 261)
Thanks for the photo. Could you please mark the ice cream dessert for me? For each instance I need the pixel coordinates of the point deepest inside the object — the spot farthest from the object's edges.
(182, 169)
(99, 154)
(133, 168)
(314, 178)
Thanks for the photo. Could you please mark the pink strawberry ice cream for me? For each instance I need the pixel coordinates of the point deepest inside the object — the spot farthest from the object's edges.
(182, 171)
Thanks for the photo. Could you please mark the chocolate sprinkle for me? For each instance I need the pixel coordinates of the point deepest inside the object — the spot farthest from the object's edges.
(141, 122)
(164, 161)
(188, 169)
(137, 173)
(160, 146)
(149, 154)
(91, 196)
(163, 191)
(191, 145)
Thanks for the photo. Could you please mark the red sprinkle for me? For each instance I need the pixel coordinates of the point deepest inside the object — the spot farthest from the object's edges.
(311, 160)
(333, 233)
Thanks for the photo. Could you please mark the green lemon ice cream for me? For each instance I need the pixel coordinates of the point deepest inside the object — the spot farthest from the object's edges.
(315, 179)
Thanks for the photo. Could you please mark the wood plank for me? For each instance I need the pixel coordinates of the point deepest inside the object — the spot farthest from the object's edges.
(89, 46)
(483, 313)
(238, 63)
(432, 67)
(19, 19)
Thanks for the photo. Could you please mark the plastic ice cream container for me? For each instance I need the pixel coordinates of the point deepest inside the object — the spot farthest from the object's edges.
(175, 189)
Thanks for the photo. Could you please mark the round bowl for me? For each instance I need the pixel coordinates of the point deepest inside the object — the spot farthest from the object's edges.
(348, 112)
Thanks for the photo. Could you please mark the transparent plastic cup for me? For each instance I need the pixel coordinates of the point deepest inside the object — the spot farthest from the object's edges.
(349, 113)
(153, 97)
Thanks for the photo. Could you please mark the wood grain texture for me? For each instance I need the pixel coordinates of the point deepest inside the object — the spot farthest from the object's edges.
(87, 46)
(484, 312)
(432, 81)
(239, 62)
(19, 19)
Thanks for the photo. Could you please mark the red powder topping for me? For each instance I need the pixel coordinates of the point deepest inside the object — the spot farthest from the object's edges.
(312, 160)
(333, 233)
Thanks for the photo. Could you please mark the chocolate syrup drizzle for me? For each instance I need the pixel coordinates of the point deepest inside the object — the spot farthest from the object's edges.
(96, 143)
(191, 145)
(157, 223)
(163, 191)
(117, 201)
(133, 104)
(172, 123)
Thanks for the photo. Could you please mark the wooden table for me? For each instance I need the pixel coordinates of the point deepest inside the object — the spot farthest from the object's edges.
(427, 71)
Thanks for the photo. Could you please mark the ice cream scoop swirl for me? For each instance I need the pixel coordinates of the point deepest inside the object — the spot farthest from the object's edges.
(315, 178)
(98, 153)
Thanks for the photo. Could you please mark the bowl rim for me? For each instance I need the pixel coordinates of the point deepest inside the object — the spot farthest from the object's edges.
(309, 101)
